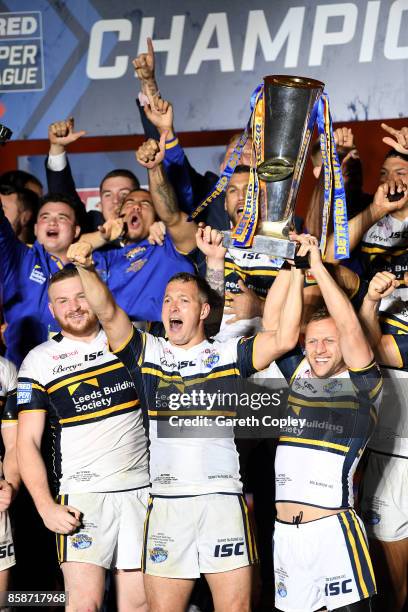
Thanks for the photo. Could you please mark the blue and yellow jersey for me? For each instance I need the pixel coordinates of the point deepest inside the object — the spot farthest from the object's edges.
(166, 378)
(316, 461)
(94, 413)
(24, 275)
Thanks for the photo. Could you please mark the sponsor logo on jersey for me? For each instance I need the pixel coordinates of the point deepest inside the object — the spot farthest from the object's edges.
(59, 369)
(65, 355)
(281, 589)
(37, 275)
(158, 554)
(376, 238)
(371, 517)
(130, 254)
(168, 361)
(90, 381)
(180, 365)
(81, 541)
(137, 265)
(93, 356)
(24, 392)
(300, 384)
(333, 386)
(337, 587)
(212, 360)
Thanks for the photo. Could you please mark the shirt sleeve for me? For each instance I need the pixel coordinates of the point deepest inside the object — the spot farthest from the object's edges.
(10, 385)
(401, 345)
(57, 162)
(132, 351)
(368, 384)
(245, 356)
(289, 362)
(31, 394)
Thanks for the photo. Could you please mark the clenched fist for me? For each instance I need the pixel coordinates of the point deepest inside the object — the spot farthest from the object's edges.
(61, 134)
(80, 254)
(381, 286)
(151, 153)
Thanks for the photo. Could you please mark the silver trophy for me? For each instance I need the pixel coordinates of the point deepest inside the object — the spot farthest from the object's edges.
(288, 104)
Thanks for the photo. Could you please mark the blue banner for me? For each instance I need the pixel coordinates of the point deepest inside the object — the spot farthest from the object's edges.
(60, 58)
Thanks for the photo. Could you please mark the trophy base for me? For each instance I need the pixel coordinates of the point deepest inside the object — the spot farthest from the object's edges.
(274, 247)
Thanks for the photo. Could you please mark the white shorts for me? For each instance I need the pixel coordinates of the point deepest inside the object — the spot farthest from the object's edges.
(111, 534)
(7, 558)
(384, 499)
(322, 563)
(204, 534)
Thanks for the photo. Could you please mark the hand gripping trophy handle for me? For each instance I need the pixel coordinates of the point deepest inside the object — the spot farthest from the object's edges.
(287, 130)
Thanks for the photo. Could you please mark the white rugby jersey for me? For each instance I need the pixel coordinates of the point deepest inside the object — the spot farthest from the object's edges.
(315, 463)
(393, 312)
(391, 432)
(99, 443)
(8, 399)
(184, 459)
(257, 271)
(388, 236)
(384, 247)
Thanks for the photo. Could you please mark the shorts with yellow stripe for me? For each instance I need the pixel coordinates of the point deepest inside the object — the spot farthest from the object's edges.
(111, 532)
(322, 563)
(204, 534)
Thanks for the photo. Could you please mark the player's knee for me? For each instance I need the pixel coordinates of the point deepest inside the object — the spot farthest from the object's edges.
(134, 606)
(87, 603)
(157, 605)
(240, 607)
(239, 604)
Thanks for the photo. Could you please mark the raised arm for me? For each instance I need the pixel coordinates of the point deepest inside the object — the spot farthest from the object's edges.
(399, 140)
(209, 241)
(283, 312)
(150, 155)
(113, 319)
(362, 222)
(59, 176)
(355, 348)
(111, 230)
(384, 346)
(144, 65)
(190, 186)
(270, 345)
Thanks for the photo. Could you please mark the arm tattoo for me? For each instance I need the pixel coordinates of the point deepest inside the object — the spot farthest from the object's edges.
(166, 192)
(215, 278)
(164, 197)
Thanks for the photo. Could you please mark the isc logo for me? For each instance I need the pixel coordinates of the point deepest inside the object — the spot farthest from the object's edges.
(6, 551)
(335, 588)
(93, 356)
(251, 256)
(227, 550)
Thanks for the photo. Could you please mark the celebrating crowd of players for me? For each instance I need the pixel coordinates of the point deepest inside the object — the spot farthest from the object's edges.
(109, 315)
